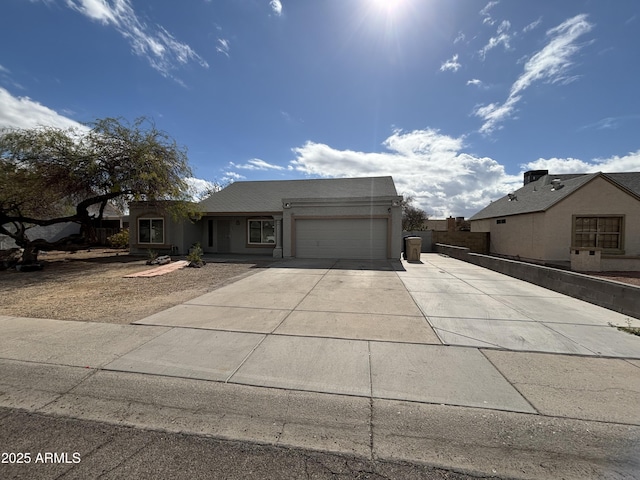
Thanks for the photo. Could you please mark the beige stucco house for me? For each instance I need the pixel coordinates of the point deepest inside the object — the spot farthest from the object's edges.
(358, 218)
(591, 221)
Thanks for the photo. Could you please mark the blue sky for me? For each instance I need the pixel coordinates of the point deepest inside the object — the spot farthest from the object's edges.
(454, 98)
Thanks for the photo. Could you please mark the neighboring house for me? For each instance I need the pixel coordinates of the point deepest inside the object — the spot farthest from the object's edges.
(358, 218)
(113, 220)
(51, 233)
(590, 220)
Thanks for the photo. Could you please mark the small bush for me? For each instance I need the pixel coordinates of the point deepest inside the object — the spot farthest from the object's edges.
(151, 255)
(119, 240)
(195, 256)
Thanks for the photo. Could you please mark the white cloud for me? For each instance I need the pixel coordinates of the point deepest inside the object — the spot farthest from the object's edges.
(222, 46)
(157, 45)
(475, 81)
(276, 6)
(199, 189)
(532, 25)
(626, 163)
(611, 123)
(548, 65)
(436, 170)
(22, 112)
(96, 9)
(234, 175)
(256, 164)
(485, 13)
(230, 177)
(451, 64)
(502, 38)
(430, 166)
(460, 38)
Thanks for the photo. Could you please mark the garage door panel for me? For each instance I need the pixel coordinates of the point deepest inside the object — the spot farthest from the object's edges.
(359, 238)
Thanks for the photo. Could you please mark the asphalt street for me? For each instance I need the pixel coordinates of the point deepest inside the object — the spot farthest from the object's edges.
(108, 451)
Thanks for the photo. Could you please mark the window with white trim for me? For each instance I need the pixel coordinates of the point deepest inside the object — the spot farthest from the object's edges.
(150, 230)
(261, 232)
(598, 232)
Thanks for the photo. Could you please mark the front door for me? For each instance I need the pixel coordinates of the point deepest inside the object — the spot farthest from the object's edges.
(224, 236)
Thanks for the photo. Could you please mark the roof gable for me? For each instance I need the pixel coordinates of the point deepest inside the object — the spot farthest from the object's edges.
(628, 181)
(536, 196)
(266, 196)
(542, 194)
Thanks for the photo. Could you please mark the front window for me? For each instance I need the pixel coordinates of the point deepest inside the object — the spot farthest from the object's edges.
(262, 232)
(150, 230)
(598, 232)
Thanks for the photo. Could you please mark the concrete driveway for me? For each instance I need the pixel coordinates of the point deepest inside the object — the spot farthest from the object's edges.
(379, 329)
(440, 362)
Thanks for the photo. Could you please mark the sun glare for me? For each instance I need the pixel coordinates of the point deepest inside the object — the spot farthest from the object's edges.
(387, 6)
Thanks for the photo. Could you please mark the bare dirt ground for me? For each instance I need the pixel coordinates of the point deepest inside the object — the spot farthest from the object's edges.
(632, 278)
(90, 286)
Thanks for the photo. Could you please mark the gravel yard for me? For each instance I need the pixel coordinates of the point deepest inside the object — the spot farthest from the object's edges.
(90, 286)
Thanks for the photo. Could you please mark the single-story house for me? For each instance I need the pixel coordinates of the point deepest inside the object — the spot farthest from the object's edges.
(359, 218)
(591, 221)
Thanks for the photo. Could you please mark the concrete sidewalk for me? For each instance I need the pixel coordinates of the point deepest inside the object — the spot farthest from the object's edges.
(439, 362)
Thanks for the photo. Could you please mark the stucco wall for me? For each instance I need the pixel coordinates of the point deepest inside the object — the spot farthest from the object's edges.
(179, 234)
(599, 197)
(238, 235)
(520, 236)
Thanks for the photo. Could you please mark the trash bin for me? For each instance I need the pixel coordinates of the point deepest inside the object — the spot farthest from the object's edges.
(404, 246)
(412, 248)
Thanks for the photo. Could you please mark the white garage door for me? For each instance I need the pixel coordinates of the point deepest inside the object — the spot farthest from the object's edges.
(357, 238)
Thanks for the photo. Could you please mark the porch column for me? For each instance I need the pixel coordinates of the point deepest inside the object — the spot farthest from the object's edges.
(277, 252)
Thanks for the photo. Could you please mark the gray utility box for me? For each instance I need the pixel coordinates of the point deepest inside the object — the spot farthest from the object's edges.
(412, 248)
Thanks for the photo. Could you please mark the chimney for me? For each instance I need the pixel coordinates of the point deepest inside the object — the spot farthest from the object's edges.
(451, 224)
(534, 175)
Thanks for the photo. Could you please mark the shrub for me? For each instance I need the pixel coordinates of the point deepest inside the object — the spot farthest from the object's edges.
(119, 240)
(151, 255)
(195, 256)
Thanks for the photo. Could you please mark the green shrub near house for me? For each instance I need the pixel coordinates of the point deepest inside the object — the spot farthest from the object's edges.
(119, 240)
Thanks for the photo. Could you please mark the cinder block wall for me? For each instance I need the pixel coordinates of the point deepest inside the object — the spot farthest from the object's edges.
(476, 242)
(615, 296)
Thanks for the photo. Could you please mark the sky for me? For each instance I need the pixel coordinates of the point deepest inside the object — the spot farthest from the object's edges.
(453, 98)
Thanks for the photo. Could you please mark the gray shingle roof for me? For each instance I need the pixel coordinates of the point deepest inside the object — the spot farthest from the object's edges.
(266, 196)
(540, 195)
(630, 181)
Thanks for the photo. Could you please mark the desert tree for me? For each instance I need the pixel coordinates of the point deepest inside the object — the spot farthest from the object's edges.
(50, 175)
(413, 218)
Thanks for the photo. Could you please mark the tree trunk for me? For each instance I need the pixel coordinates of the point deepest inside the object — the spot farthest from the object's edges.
(29, 255)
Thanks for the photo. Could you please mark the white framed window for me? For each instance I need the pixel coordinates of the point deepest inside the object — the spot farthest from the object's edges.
(151, 230)
(604, 232)
(261, 232)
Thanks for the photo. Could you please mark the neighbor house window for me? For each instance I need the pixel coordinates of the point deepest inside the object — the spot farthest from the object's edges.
(150, 230)
(598, 232)
(262, 232)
